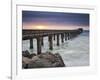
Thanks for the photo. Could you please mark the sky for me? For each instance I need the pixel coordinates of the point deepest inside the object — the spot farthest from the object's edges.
(54, 20)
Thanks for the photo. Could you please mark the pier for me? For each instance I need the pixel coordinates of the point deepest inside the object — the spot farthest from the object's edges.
(51, 34)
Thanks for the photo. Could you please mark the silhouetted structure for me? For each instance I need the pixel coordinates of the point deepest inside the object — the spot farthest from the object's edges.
(39, 34)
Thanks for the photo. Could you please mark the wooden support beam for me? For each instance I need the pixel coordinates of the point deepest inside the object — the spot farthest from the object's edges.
(54, 36)
(62, 37)
(71, 35)
(31, 43)
(57, 39)
(50, 42)
(38, 45)
(42, 42)
(68, 36)
(65, 36)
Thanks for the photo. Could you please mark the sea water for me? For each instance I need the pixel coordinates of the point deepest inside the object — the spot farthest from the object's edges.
(74, 52)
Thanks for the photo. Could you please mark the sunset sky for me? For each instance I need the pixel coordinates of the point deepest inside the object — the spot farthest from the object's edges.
(54, 20)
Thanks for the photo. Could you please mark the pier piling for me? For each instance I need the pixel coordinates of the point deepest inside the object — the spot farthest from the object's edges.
(62, 38)
(57, 39)
(50, 42)
(31, 43)
(65, 36)
(42, 42)
(38, 45)
(54, 36)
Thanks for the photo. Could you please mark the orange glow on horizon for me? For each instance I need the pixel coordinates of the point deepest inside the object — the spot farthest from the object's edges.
(51, 27)
(40, 27)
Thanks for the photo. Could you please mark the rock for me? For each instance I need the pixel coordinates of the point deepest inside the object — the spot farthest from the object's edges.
(40, 63)
(56, 64)
(32, 55)
(35, 58)
(48, 56)
(60, 60)
(26, 60)
(25, 53)
(43, 60)
(24, 66)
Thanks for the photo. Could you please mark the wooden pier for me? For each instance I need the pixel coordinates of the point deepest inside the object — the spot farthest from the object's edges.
(52, 35)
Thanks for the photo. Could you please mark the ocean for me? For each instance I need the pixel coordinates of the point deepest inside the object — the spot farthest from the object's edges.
(74, 52)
